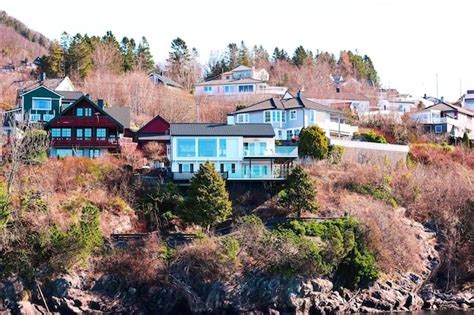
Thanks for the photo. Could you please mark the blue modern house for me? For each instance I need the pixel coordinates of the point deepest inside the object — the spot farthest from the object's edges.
(288, 116)
(238, 151)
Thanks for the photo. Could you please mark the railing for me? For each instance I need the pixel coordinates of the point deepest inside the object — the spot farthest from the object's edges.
(343, 128)
(278, 90)
(280, 151)
(93, 142)
(189, 175)
(86, 121)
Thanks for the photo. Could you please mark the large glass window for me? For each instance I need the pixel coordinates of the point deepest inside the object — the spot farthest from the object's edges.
(101, 133)
(64, 152)
(56, 132)
(208, 89)
(185, 148)
(262, 146)
(207, 147)
(41, 103)
(276, 116)
(222, 147)
(246, 88)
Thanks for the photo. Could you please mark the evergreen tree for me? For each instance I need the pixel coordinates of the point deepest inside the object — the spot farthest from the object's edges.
(299, 192)
(465, 140)
(128, 48)
(79, 56)
(53, 64)
(301, 56)
(280, 55)
(208, 201)
(313, 143)
(144, 57)
(233, 56)
(244, 55)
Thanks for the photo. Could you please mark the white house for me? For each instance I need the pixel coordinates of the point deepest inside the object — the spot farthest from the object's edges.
(239, 152)
(288, 116)
(240, 81)
(446, 118)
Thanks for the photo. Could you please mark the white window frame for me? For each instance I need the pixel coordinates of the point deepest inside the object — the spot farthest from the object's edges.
(35, 117)
(265, 116)
(243, 118)
(436, 129)
(293, 112)
(33, 99)
(48, 117)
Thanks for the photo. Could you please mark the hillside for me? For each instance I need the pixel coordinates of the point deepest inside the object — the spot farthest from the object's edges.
(18, 42)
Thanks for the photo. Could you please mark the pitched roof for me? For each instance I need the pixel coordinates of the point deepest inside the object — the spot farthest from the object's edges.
(166, 80)
(241, 68)
(341, 95)
(290, 103)
(87, 99)
(71, 95)
(444, 106)
(121, 114)
(244, 130)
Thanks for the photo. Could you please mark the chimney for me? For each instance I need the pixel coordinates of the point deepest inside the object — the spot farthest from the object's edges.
(230, 119)
(442, 99)
(42, 77)
(100, 103)
(300, 93)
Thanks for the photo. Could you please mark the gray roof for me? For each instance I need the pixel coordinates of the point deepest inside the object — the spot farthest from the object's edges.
(166, 80)
(444, 106)
(244, 130)
(70, 95)
(121, 114)
(291, 103)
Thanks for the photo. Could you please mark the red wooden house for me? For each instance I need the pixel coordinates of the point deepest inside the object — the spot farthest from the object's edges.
(84, 129)
(156, 130)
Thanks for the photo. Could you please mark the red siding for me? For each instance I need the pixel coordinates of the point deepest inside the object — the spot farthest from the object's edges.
(156, 125)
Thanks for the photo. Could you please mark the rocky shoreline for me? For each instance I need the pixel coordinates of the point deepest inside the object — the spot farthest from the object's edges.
(81, 293)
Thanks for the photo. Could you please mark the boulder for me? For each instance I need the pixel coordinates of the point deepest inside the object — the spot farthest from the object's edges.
(322, 285)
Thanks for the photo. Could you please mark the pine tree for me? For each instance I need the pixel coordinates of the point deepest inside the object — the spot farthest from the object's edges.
(280, 55)
(144, 59)
(128, 48)
(313, 143)
(244, 55)
(208, 201)
(465, 140)
(233, 56)
(301, 56)
(299, 192)
(53, 64)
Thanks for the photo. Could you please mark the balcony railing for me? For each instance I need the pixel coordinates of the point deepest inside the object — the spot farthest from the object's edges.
(88, 121)
(91, 142)
(343, 128)
(280, 151)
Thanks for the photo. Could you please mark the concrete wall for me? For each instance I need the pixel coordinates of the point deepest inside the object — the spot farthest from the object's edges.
(368, 152)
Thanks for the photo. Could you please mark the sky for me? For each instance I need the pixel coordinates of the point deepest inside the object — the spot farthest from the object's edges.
(411, 42)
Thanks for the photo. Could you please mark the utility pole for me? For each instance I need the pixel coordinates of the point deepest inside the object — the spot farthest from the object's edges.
(437, 86)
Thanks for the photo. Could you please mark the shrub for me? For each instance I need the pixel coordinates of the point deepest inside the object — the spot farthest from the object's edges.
(336, 153)
(369, 136)
(208, 202)
(299, 192)
(4, 207)
(313, 143)
(155, 151)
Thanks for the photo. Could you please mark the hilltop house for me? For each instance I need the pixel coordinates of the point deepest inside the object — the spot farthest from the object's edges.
(160, 79)
(87, 129)
(288, 116)
(238, 151)
(41, 102)
(240, 81)
(448, 119)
